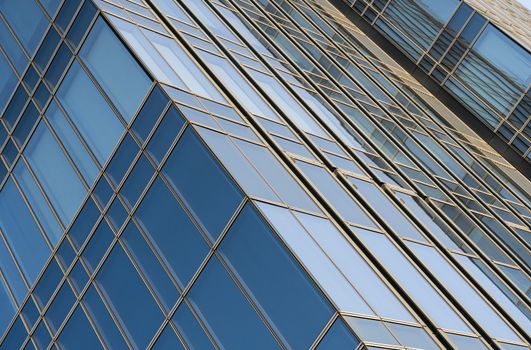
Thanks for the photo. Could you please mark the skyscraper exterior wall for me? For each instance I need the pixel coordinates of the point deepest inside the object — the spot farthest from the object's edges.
(478, 50)
(243, 174)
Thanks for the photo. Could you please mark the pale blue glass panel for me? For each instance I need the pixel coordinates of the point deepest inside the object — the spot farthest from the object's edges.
(330, 278)
(7, 307)
(89, 112)
(21, 232)
(48, 221)
(77, 151)
(115, 69)
(12, 275)
(26, 19)
(56, 175)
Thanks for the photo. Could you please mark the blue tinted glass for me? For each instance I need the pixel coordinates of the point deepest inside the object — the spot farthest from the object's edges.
(150, 266)
(98, 245)
(172, 232)
(29, 312)
(166, 132)
(78, 324)
(194, 336)
(226, 313)
(122, 159)
(47, 48)
(84, 222)
(103, 192)
(298, 312)
(25, 124)
(15, 336)
(89, 112)
(81, 23)
(42, 336)
(204, 186)
(58, 65)
(122, 287)
(47, 284)
(11, 274)
(115, 69)
(338, 337)
(137, 180)
(150, 112)
(50, 6)
(59, 307)
(101, 317)
(7, 307)
(26, 19)
(8, 82)
(12, 49)
(56, 175)
(168, 340)
(79, 154)
(505, 54)
(64, 17)
(37, 202)
(15, 106)
(21, 232)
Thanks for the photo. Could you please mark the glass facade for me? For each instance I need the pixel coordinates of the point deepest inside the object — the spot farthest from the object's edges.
(251, 174)
(477, 50)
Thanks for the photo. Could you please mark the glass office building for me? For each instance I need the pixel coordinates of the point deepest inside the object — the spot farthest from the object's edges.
(247, 174)
(478, 50)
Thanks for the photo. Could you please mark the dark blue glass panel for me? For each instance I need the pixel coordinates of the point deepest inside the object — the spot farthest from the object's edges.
(226, 313)
(88, 110)
(150, 112)
(55, 173)
(17, 103)
(31, 78)
(282, 290)
(15, 336)
(171, 231)
(103, 320)
(25, 124)
(203, 185)
(338, 337)
(59, 307)
(168, 340)
(21, 232)
(29, 312)
(117, 214)
(65, 254)
(122, 159)
(115, 69)
(150, 266)
(42, 95)
(47, 48)
(66, 13)
(122, 287)
(81, 23)
(58, 65)
(78, 324)
(50, 6)
(103, 192)
(78, 276)
(190, 329)
(98, 245)
(42, 336)
(47, 284)
(84, 222)
(165, 134)
(27, 20)
(137, 180)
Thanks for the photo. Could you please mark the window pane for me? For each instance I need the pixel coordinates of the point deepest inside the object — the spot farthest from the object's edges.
(78, 324)
(115, 69)
(77, 151)
(89, 112)
(290, 300)
(56, 175)
(7, 307)
(202, 184)
(190, 329)
(226, 313)
(27, 20)
(168, 340)
(181, 245)
(38, 204)
(122, 286)
(338, 337)
(21, 232)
